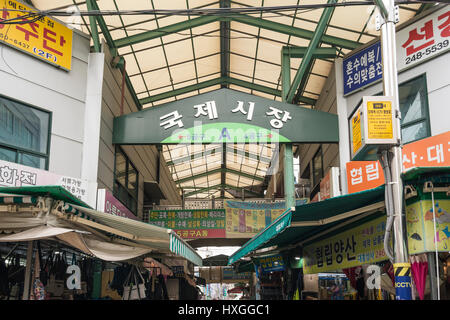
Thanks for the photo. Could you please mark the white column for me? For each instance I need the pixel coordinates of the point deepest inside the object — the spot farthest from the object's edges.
(92, 117)
(342, 111)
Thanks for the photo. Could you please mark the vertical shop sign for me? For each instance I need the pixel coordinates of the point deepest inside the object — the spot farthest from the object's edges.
(44, 38)
(356, 132)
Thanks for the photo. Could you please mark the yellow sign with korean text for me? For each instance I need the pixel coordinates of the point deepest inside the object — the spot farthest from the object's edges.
(357, 246)
(428, 229)
(356, 132)
(379, 120)
(44, 38)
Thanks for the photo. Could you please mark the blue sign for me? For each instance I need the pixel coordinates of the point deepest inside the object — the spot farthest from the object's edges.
(362, 68)
(403, 288)
(272, 263)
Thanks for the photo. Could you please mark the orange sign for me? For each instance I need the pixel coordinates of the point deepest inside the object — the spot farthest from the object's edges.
(430, 152)
(364, 175)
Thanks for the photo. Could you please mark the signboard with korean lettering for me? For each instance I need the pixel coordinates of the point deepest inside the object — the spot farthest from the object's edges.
(373, 126)
(107, 203)
(416, 43)
(362, 68)
(271, 263)
(17, 175)
(354, 247)
(424, 39)
(356, 132)
(44, 38)
(191, 224)
(429, 152)
(364, 175)
(423, 227)
(228, 273)
(245, 219)
(225, 116)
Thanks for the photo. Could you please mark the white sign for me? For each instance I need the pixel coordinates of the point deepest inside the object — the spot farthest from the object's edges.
(424, 39)
(17, 175)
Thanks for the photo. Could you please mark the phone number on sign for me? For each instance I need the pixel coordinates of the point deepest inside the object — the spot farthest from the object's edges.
(421, 54)
(16, 42)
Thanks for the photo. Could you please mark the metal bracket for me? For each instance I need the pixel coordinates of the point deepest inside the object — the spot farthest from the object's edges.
(379, 20)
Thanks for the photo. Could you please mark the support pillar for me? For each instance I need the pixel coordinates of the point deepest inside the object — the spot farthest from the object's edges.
(289, 184)
(28, 269)
(390, 86)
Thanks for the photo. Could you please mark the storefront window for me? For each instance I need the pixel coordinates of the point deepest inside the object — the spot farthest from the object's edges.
(24, 134)
(125, 181)
(414, 109)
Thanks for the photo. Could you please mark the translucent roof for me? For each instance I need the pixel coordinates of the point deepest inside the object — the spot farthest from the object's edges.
(171, 57)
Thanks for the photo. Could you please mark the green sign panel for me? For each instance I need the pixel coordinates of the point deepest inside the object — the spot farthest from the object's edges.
(226, 116)
(191, 224)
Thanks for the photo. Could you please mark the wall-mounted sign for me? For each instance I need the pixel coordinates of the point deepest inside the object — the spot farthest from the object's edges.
(17, 175)
(357, 246)
(225, 116)
(420, 226)
(373, 126)
(429, 152)
(424, 39)
(364, 175)
(416, 43)
(356, 132)
(191, 224)
(107, 203)
(362, 68)
(46, 38)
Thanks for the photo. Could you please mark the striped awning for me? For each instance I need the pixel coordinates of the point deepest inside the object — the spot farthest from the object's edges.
(180, 247)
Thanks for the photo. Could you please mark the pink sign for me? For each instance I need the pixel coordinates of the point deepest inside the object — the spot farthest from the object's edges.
(107, 203)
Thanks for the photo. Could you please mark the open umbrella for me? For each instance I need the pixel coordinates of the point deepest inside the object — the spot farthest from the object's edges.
(419, 270)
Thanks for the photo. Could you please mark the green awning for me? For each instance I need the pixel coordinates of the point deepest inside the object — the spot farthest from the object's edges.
(420, 174)
(55, 192)
(144, 233)
(307, 220)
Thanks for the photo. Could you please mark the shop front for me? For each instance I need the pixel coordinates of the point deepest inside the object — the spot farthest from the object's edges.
(54, 246)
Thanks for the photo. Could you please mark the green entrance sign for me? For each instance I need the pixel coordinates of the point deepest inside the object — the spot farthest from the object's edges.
(226, 116)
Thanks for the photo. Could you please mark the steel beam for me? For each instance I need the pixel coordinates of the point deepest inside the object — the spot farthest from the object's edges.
(219, 170)
(224, 44)
(317, 37)
(164, 31)
(109, 40)
(242, 18)
(299, 52)
(93, 24)
(293, 31)
(220, 81)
